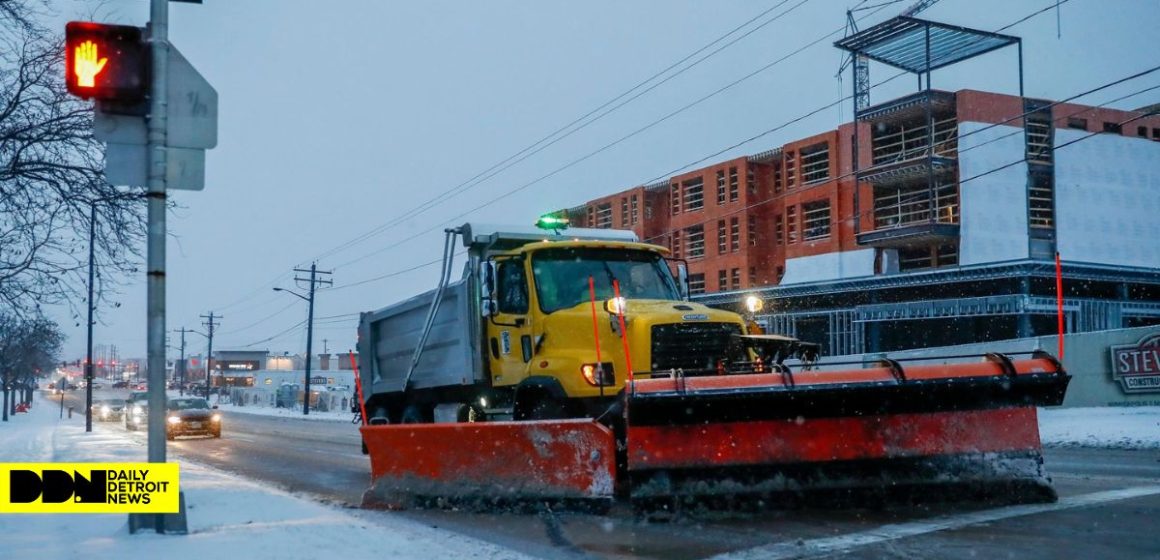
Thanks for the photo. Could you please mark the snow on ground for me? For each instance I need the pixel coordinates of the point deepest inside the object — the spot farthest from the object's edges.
(328, 416)
(1112, 427)
(229, 517)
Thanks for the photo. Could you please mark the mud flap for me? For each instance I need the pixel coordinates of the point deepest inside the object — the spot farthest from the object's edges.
(491, 464)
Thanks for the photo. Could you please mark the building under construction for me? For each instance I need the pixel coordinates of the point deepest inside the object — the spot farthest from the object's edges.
(931, 219)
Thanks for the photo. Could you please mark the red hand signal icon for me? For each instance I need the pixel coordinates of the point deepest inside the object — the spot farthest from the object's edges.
(86, 64)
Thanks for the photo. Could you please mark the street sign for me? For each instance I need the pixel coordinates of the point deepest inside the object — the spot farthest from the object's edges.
(127, 164)
(191, 118)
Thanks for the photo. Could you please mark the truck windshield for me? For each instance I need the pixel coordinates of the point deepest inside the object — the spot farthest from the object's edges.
(561, 276)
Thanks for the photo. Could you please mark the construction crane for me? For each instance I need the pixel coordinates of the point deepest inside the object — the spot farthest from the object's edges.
(861, 63)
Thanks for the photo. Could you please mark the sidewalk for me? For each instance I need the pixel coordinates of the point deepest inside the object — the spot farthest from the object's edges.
(229, 517)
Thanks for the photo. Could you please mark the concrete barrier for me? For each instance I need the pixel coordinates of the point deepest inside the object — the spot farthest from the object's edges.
(1108, 368)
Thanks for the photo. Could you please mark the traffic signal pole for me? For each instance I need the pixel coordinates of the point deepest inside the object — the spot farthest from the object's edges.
(155, 252)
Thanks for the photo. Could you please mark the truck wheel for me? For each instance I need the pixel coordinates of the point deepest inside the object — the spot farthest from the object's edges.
(548, 408)
(417, 414)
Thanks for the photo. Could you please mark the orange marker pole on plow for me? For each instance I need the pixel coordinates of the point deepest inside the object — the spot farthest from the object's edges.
(1059, 300)
(358, 388)
(596, 332)
(623, 333)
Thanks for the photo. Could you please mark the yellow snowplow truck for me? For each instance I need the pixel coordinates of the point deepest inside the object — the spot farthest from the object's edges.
(569, 364)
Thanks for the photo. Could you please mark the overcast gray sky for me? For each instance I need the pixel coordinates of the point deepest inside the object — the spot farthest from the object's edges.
(336, 117)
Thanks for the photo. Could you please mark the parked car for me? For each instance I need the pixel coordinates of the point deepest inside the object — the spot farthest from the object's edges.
(136, 410)
(121, 385)
(109, 409)
(191, 416)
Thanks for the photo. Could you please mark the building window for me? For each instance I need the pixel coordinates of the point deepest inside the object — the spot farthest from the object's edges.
(648, 213)
(735, 279)
(696, 284)
(635, 207)
(695, 242)
(1077, 123)
(733, 195)
(790, 170)
(816, 163)
(791, 224)
(694, 193)
(751, 226)
(919, 258)
(623, 211)
(751, 181)
(1156, 133)
(1113, 128)
(604, 215)
(591, 221)
(722, 238)
(722, 281)
(734, 234)
(776, 178)
(779, 229)
(780, 273)
(675, 189)
(816, 220)
(675, 244)
(1142, 131)
(752, 276)
(720, 187)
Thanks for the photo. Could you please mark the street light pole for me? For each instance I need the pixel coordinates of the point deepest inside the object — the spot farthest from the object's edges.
(314, 282)
(209, 353)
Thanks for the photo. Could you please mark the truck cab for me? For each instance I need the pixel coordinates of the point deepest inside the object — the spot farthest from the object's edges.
(554, 330)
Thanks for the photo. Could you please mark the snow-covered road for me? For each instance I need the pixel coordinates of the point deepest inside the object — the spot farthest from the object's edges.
(229, 517)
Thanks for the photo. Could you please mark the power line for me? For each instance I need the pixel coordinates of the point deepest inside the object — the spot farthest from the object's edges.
(556, 135)
(604, 147)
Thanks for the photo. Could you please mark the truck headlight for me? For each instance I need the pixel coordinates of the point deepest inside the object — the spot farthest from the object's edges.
(216, 418)
(598, 374)
(138, 409)
(615, 306)
(174, 419)
(104, 410)
(754, 304)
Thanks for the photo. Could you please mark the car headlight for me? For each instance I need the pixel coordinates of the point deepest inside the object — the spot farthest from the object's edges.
(174, 420)
(216, 418)
(138, 409)
(104, 410)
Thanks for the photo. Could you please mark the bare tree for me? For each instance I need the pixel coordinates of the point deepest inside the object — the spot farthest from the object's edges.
(51, 169)
(27, 347)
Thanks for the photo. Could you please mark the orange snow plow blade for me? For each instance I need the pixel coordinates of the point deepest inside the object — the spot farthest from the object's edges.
(878, 428)
(491, 464)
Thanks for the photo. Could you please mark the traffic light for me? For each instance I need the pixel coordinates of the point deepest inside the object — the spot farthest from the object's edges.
(106, 62)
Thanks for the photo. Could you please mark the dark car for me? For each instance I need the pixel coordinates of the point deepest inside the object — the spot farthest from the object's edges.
(121, 385)
(136, 410)
(191, 416)
(109, 410)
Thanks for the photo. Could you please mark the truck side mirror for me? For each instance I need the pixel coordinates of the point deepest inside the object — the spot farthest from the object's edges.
(487, 285)
(683, 280)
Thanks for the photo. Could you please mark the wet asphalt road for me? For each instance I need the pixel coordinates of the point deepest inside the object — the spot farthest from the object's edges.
(322, 459)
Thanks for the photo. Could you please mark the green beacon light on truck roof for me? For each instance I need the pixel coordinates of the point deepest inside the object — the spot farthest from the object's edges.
(552, 223)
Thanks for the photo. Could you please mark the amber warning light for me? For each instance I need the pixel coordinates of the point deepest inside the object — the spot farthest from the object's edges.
(105, 61)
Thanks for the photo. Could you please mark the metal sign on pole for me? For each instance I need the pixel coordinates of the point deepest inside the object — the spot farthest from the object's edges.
(191, 128)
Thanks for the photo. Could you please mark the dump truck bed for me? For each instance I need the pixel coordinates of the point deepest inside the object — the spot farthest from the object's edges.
(451, 356)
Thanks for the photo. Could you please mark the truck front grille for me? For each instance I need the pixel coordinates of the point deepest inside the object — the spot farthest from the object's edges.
(690, 346)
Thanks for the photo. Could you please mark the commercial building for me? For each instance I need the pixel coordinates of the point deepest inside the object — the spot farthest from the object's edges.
(931, 219)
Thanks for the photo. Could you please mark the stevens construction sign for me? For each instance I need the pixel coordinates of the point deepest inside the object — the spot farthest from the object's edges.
(1137, 366)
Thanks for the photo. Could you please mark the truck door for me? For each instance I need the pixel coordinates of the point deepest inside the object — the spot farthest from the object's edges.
(509, 332)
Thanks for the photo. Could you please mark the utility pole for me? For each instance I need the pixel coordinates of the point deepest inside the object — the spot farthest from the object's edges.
(179, 369)
(209, 324)
(314, 281)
